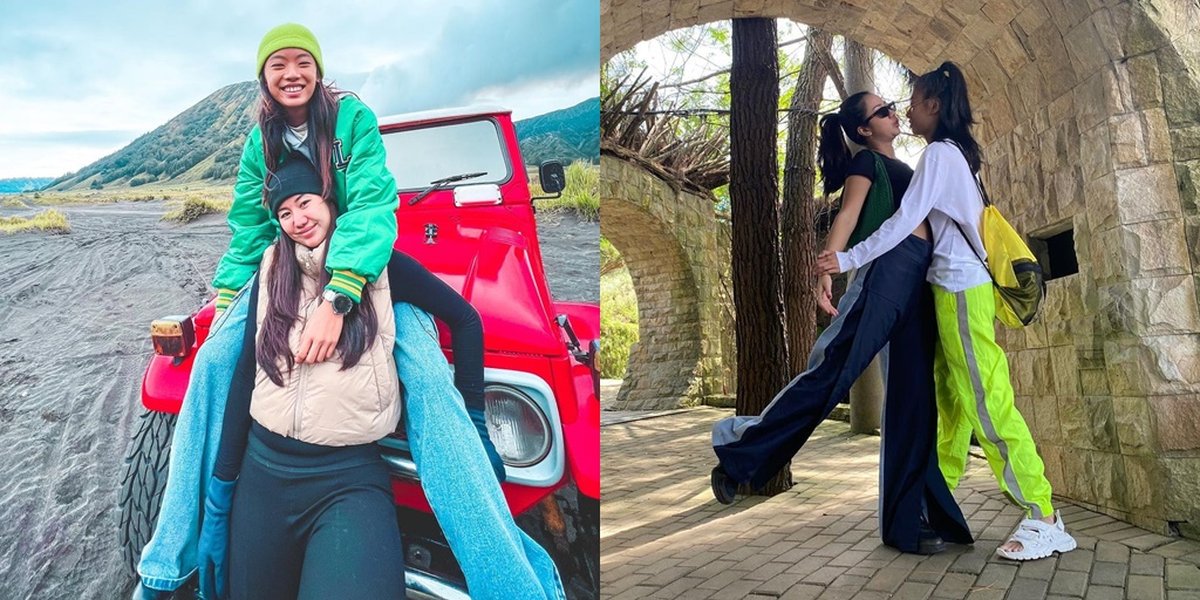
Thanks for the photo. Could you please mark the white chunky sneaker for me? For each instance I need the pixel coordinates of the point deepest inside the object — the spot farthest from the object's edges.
(1039, 539)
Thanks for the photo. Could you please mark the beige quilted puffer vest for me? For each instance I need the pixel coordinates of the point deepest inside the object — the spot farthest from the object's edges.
(320, 403)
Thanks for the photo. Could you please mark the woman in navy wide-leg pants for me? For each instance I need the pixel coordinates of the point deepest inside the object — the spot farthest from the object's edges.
(889, 301)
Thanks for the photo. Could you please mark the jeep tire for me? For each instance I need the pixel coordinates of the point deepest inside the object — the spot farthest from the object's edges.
(571, 537)
(143, 483)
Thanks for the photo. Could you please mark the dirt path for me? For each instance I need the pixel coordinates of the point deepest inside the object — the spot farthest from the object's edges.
(74, 311)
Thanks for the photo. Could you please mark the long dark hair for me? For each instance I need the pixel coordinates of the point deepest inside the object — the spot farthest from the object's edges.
(322, 117)
(949, 86)
(833, 155)
(359, 328)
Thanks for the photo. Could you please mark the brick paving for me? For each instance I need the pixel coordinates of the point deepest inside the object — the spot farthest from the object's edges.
(664, 536)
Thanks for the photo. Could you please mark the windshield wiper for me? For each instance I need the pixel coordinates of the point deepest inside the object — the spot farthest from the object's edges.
(438, 184)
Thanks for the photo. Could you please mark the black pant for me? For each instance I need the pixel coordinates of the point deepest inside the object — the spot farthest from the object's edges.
(313, 522)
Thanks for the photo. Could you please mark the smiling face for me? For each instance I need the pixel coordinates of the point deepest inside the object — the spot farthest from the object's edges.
(291, 77)
(881, 121)
(305, 218)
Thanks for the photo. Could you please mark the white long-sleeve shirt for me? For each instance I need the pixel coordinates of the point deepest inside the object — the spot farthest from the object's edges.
(943, 190)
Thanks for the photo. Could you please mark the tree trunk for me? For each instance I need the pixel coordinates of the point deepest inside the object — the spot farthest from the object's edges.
(866, 397)
(753, 193)
(799, 236)
(860, 68)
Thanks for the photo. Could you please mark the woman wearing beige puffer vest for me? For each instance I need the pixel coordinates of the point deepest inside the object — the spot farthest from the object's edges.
(330, 403)
(313, 515)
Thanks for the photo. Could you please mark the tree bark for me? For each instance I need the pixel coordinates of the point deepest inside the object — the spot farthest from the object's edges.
(866, 396)
(753, 193)
(860, 68)
(798, 233)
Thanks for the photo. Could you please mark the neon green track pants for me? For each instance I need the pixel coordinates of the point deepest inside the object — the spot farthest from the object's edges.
(974, 393)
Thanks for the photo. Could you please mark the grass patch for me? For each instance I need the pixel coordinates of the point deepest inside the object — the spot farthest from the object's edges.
(618, 322)
(146, 193)
(193, 207)
(13, 202)
(582, 194)
(50, 220)
(74, 197)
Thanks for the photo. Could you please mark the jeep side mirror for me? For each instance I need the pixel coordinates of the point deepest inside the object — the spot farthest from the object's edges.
(552, 178)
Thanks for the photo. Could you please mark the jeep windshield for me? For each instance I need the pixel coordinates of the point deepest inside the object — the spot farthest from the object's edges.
(419, 156)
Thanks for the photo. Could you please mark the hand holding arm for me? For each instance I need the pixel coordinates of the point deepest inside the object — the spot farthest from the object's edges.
(320, 336)
(927, 187)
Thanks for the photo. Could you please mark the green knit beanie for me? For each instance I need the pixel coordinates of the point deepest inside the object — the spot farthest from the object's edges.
(288, 35)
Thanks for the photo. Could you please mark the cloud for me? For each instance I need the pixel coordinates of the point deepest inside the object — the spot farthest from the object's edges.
(95, 137)
(78, 68)
(503, 45)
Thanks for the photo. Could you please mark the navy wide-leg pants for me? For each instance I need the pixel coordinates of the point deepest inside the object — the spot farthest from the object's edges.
(889, 301)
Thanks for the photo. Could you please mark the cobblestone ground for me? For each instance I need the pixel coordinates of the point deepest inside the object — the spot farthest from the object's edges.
(662, 534)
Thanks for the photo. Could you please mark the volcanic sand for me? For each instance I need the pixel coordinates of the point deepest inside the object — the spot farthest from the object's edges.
(74, 316)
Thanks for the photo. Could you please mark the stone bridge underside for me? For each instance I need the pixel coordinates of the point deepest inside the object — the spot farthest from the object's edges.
(677, 252)
(1089, 117)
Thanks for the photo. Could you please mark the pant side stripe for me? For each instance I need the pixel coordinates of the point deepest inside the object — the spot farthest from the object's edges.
(884, 357)
(738, 425)
(985, 419)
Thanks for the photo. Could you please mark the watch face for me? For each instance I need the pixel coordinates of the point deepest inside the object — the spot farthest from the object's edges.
(342, 304)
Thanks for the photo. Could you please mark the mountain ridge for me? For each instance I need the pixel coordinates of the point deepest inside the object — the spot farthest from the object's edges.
(204, 143)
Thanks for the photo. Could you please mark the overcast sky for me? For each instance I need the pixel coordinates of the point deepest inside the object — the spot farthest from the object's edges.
(79, 80)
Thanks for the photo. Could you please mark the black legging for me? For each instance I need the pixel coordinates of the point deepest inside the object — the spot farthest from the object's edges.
(313, 522)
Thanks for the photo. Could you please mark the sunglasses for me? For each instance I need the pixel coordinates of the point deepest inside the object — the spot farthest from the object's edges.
(883, 111)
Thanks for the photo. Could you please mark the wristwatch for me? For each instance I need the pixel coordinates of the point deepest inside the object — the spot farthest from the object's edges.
(342, 304)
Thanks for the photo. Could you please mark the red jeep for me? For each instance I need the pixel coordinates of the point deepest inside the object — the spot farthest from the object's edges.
(466, 213)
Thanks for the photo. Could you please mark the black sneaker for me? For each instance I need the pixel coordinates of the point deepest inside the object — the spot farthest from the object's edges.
(929, 541)
(723, 488)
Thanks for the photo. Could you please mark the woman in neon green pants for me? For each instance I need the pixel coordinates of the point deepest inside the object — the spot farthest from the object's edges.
(971, 370)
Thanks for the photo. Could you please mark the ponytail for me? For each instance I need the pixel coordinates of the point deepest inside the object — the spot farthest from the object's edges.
(833, 154)
(949, 86)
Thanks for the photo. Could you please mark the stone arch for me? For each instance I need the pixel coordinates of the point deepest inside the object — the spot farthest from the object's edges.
(677, 252)
(1089, 123)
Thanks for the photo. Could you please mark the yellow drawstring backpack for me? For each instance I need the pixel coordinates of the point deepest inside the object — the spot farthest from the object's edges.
(1017, 278)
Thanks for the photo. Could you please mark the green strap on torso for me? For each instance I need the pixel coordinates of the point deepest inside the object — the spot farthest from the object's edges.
(878, 206)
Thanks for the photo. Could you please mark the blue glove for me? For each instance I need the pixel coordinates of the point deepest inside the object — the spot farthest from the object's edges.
(480, 420)
(214, 539)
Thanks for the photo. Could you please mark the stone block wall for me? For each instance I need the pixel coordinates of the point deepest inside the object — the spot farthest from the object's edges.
(678, 254)
(1108, 379)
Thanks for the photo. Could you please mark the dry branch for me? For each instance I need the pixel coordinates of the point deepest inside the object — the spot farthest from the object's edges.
(695, 156)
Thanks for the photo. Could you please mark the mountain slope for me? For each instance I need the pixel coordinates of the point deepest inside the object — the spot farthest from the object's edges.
(204, 142)
(569, 134)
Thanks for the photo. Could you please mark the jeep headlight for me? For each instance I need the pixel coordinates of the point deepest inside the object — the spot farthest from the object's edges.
(517, 426)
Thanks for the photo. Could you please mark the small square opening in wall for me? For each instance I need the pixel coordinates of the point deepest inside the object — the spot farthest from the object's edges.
(1055, 252)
